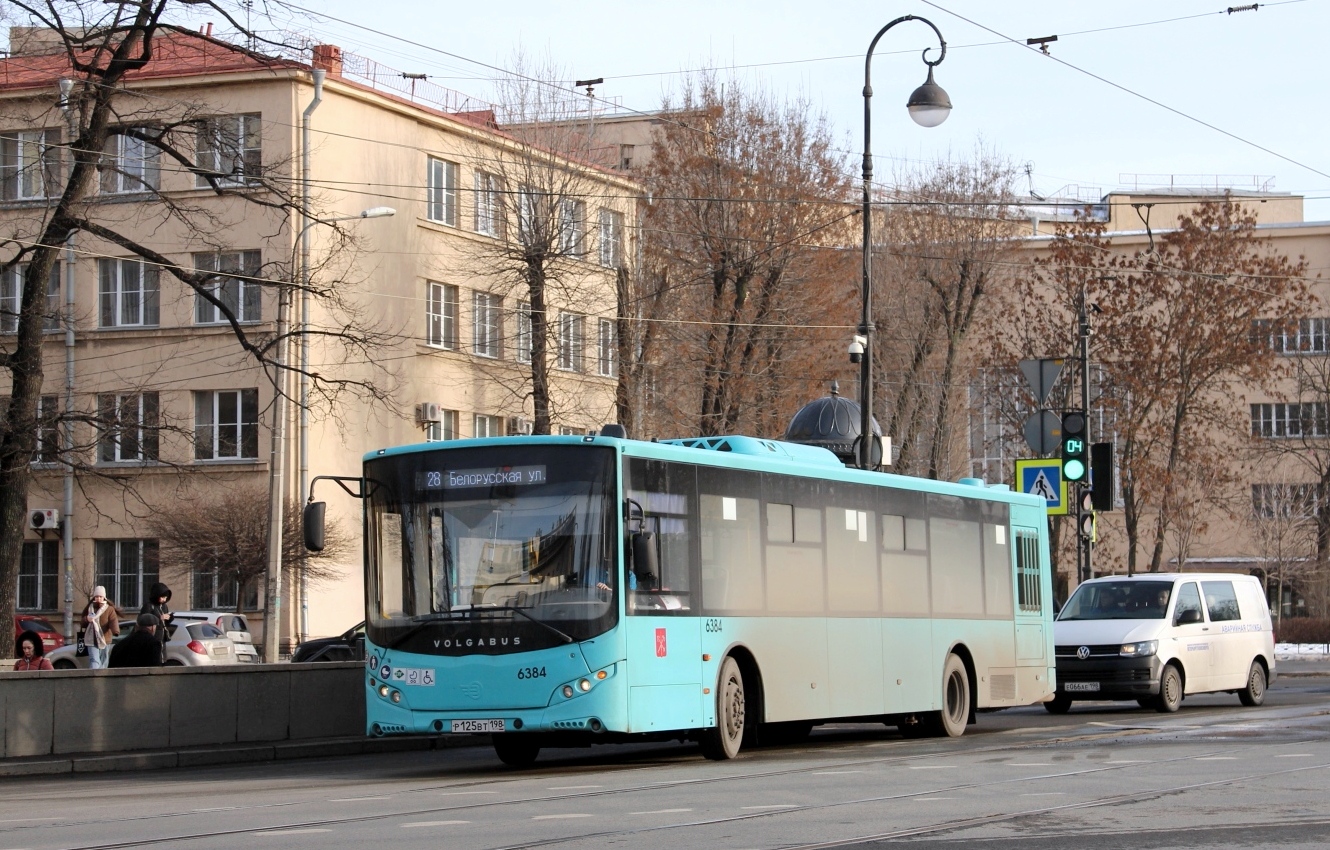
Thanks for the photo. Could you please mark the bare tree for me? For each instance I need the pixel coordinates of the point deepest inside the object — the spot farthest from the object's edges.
(1172, 336)
(744, 284)
(1285, 523)
(226, 537)
(950, 229)
(121, 135)
(558, 230)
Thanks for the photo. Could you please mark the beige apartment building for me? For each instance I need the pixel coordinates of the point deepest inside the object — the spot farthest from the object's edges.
(1265, 526)
(174, 413)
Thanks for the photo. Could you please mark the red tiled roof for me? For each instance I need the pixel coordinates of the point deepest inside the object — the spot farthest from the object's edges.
(175, 53)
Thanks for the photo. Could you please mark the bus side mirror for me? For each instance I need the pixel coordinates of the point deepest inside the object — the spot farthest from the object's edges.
(312, 524)
(646, 566)
(1191, 615)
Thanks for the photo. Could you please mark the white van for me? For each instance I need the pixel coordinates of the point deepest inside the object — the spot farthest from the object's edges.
(1157, 637)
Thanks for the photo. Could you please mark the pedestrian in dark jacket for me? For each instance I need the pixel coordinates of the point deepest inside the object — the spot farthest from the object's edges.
(141, 648)
(31, 654)
(158, 595)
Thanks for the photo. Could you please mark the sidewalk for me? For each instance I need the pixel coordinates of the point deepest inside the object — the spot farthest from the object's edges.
(232, 754)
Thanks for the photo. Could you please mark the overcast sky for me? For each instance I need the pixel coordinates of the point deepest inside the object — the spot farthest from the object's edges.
(1260, 78)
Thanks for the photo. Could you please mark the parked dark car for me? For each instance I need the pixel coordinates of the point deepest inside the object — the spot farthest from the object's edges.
(348, 646)
(51, 637)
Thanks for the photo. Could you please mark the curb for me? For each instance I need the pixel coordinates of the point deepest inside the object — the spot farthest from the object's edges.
(234, 754)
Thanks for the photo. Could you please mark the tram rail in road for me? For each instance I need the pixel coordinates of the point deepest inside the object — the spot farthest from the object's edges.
(798, 796)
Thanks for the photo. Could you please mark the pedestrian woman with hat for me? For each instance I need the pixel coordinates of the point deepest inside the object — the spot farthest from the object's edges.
(101, 624)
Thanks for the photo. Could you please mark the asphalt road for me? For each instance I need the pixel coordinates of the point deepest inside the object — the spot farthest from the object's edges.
(1103, 776)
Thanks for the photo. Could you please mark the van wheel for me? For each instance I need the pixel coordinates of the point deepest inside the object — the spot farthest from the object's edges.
(1059, 704)
(516, 750)
(1170, 690)
(1254, 693)
(723, 740)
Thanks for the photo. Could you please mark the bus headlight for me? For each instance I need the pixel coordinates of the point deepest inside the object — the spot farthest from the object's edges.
(568, 691)
(397, 696)
(383, 690)
(584, 685)
(1142, 649)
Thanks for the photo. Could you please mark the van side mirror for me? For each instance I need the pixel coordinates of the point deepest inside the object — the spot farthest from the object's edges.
(311, 523)
(646, 565)
(1191, 615)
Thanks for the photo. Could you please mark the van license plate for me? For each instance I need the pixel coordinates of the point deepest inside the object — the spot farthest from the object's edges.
(1080, 686)
(478, 725)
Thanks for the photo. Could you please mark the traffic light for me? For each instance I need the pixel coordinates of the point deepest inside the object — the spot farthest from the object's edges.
(1085, 497)
(1101, 467)
(1075, 454)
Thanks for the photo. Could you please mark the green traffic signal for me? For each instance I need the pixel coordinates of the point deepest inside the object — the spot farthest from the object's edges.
(1073, 469)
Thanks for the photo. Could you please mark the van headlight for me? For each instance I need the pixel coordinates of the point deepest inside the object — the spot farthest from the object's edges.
(1142, 649)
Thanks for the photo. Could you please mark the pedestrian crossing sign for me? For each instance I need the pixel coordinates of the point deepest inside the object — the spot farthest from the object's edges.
(1043, 477)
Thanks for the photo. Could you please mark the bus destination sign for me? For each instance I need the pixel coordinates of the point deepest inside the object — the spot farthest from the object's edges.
(451, 479)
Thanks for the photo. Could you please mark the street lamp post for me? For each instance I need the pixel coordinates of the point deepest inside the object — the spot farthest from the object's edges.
(929, 107)
(276, 487)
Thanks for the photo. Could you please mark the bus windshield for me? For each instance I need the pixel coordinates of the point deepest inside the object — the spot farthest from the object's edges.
(487, 548)
(1118, 600)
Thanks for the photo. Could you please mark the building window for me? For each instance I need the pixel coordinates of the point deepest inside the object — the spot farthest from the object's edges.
(607, 349)
(37, 576)
(226, 425)
(488, 426)
(234, 283)
(48, 430)
(1305, 419)
(30, 165)
(129, 294)
(1306, 336)
(489, 204)
(531, 206)
(215, 589)
(1285, 501)
(487, 318)
(441, 191)
(570, 431)
(128, 428)
(444, 429)
(440, 315)
(572, 227)
(572, 341)
(522, 341)
(626, 157)
(611, 239)
(127, 569)
(129, 165)
(11, 298)
(229, 150)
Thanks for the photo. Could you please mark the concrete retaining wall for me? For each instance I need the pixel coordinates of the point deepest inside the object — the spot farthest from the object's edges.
(129, 710)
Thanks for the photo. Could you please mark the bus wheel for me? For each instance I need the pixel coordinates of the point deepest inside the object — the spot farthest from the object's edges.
(1059, 704)
(955, 712)
(723, 740)
(516, 750)
(1170, 690)
(1254, 693)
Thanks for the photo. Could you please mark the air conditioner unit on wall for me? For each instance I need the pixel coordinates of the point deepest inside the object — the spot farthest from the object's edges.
(428, 411)
(518, 426)
(43, 519)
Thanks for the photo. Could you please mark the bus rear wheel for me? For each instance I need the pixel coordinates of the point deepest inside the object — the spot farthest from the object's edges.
(723, 740)
(516, 750)
(956, 697)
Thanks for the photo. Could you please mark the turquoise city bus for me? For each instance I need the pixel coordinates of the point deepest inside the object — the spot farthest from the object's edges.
(565, 591)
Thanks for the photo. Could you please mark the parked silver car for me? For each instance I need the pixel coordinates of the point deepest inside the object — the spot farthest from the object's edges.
(189, 645)
(234, 625)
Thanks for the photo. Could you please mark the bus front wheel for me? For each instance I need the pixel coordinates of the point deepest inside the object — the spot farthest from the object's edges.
(516, 750)
(723, 740)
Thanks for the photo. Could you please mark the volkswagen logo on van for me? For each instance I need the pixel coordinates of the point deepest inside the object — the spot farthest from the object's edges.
(1083, 652)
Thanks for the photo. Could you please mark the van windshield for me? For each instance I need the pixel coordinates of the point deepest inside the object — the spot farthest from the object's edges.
(1119, 600)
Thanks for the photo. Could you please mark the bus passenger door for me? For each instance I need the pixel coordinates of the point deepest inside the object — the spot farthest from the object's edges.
(1033, 603)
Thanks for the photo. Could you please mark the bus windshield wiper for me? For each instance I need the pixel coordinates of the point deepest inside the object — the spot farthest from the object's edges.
(566, 637)
(421, 621)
